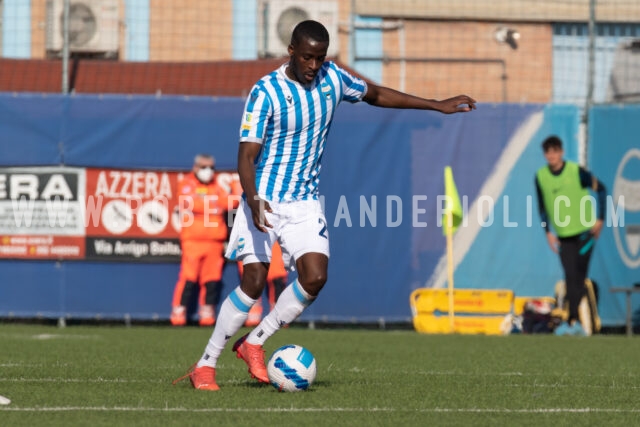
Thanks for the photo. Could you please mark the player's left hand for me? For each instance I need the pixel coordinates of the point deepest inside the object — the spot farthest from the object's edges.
(457, 104)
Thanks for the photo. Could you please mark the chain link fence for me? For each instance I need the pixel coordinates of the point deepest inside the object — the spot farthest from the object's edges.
(540, 51)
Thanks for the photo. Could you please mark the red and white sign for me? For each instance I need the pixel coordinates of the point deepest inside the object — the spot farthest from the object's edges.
(95, 214)
(131, 203)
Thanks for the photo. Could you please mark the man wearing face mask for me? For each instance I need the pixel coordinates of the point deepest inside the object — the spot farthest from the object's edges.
(203, 205)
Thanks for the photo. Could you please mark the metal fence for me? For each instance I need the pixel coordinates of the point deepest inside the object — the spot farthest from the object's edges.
(541, 51)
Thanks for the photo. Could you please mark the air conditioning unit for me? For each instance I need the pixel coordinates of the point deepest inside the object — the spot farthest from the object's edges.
(624, 82)
(93, 26)
(278, 18)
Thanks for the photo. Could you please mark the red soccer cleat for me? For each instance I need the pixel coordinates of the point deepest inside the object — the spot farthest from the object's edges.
(202, 378)
(253, 356)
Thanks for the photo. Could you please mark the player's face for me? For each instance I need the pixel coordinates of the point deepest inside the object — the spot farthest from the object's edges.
(555, 157)
(306, 59)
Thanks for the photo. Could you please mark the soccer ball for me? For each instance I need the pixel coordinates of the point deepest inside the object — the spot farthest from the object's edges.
(291, 368)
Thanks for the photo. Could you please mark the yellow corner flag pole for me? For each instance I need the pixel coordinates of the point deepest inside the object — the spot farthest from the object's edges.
(452, 218)
(450, 269)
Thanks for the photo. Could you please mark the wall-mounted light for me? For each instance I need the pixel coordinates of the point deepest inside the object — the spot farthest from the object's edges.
(507, 35)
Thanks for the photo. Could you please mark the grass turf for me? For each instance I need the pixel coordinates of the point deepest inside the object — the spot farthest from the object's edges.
(109, 376)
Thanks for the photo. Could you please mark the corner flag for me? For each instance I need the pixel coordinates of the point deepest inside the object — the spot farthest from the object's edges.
(452, 216)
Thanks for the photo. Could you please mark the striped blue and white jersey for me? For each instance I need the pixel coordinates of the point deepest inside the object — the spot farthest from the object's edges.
(292, 121)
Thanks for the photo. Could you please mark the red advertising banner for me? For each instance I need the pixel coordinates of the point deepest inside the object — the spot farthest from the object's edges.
(132, 215)
(131, 203)
(93, 214)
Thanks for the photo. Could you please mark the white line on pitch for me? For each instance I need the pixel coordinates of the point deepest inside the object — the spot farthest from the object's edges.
(160, 381)
(325, 409)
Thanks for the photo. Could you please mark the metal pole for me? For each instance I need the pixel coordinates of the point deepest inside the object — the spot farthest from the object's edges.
(403, 53)
(352, 34)
(629, 314)
(590, 81)
(65, 47)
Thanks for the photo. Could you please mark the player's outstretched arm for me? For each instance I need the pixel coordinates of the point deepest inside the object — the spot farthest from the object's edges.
(381, 96)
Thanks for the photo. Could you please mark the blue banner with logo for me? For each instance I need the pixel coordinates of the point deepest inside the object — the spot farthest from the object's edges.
(614, 157)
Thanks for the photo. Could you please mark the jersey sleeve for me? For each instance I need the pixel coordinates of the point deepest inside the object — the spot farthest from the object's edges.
(257, 111)
(353, 88)
(588, 180)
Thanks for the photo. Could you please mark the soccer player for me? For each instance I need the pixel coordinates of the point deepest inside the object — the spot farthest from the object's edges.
(561, 187)
(283, 131)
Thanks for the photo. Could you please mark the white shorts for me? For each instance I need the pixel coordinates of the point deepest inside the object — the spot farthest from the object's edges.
(300, 227)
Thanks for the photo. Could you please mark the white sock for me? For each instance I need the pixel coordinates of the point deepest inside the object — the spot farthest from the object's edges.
(233, 313)
(291, 303)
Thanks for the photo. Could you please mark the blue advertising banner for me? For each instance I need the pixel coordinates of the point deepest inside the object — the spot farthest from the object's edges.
(502, 245)
(614, 156)
(382, 185)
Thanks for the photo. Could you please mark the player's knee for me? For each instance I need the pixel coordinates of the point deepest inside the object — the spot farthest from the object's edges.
(253, 280)
(313, 283)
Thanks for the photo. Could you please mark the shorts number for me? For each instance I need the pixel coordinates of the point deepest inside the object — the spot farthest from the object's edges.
(323, 230)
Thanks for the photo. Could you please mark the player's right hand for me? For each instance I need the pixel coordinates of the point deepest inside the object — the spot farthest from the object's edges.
(258, 208)
(457, 104)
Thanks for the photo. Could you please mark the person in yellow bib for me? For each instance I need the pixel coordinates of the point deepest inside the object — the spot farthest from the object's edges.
(567, 206)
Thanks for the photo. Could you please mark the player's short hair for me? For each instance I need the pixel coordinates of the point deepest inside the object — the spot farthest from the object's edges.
(309, 29)
(551, 142)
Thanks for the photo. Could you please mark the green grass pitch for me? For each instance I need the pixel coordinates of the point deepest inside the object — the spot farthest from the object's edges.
(119, 376)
